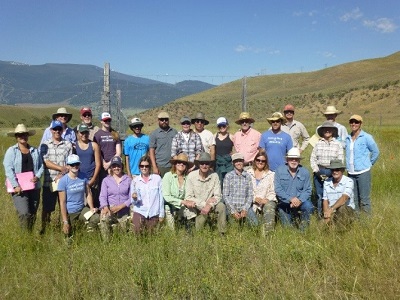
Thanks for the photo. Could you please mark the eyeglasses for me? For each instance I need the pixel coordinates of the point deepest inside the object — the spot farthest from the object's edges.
(62, 116)
(75, 165)
(204, 163)
(199, 121)
(144, 166)
(87, 115)
(275, 121)
(163, 120)
(261, 161)
(22, 134)
(58, 129)
(354, 122)
(185, 123)
(288, 112)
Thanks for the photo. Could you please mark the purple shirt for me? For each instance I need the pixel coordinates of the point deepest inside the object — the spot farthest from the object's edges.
(112, 194)
(106, 143)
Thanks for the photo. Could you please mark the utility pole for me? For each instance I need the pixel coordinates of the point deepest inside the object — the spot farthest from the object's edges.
(244, 94)
(119, 119)
(105, 96)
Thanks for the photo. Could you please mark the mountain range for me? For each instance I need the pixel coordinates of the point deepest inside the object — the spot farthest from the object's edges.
(77, 85)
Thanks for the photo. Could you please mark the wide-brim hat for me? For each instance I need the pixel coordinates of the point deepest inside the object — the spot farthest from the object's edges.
(336, 164)
(276, 116)
(62, 111)
(181, 157)
(200, 116)
(331, 110)
(204, 157)
(328, 124)
(21, 128)
(294, 153)
(244, 116)
(136, 121)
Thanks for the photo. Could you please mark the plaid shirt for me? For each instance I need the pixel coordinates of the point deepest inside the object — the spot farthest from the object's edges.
(191, 148)
(237, 191)
(325, 151)
(56, 153)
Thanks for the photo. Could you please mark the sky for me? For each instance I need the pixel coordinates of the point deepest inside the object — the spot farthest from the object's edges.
(214, 41)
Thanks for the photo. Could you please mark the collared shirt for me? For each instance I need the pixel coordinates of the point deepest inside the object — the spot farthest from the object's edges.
(191, 146)
(150, 202)
(161, 141)
(247, 143)
(342, 133)
(200, 190)
(172, 192)
(57, 153)
(68, 135)
(325, 151)
(113, 194)
(333, 193)
(263, 188)
(276, 145)
(13, 164)
(207, 139)
(363, 153)
(287, 187)
(237, 191)
(297, 130)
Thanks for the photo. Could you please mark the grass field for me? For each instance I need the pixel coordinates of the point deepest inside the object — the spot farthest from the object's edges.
(362, 263)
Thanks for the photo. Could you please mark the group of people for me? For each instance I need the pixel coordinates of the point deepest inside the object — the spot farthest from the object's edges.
(192, 176)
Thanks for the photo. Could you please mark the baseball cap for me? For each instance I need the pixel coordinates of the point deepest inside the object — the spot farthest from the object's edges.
(73, 159)
(237, 156)
(86, 110)
(356, 117)
(136, 121)
(82, 128)
(185, 119)
(105, 116)
(163, 115)
(55, 124)
(116, 160)
(222, 121)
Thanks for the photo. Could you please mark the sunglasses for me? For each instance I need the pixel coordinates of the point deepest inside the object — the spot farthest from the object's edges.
(262, 161)
(62, 116)
(115, 166)
(136, 127)
(245, 122)
(180, 163)
(23, 134)
(84, 132)
(144, 166)
(185, 123)
(87, 115)
(336, 170)
(75, 165)
(288, 112)
(276, 121)
(204, 163)
(58, 129)
(221, 126)
(354, 122)
(163, 119)
(107, 121)
(199, 121)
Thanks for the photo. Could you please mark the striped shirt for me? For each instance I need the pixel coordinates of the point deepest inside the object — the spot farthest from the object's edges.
(237, 191)
(325, 151)
(191, 146)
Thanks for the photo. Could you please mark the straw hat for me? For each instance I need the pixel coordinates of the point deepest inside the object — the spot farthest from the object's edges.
(62, 111)
(181, 157)
(331, 110)
(294, 153)
(276, 116)
(21, 128)
(244, 116)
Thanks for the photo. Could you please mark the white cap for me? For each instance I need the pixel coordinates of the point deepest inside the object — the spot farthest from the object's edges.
(73, 159)
(222, 121)
(105, 116)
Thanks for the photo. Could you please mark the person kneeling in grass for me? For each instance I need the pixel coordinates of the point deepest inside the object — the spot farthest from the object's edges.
(72, 189)
(338, 196)
(238, 192)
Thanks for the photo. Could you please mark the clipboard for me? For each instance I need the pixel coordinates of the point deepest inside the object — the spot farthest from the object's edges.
(24, 181)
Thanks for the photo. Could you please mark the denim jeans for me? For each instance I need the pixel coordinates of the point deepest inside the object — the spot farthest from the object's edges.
(362, 191)
(287, 213)
(319, 186)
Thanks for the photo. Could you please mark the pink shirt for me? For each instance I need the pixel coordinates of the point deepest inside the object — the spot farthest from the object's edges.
(247, 143)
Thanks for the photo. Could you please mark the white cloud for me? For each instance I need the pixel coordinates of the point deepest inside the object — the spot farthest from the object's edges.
(383, 25)
(353, 15)
(298, 13)
(243, 48)
(328, 54)
(312, 13)
(274, 52)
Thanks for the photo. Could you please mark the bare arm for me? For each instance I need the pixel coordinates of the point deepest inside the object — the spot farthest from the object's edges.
(152, 153)
(97, 160)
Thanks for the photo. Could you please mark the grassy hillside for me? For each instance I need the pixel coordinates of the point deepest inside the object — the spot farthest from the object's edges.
(369, 87)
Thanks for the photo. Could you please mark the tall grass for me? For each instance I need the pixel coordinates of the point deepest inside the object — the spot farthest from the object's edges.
(359, 263)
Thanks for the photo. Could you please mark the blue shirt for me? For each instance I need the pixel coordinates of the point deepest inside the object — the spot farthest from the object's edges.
(365, 152)
(75, 190)
(135, 148)
(150, 202)
(276, 145)
(333, 193)
(288, 187)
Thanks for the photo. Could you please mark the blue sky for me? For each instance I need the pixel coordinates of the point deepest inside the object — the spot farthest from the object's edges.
(213, 41)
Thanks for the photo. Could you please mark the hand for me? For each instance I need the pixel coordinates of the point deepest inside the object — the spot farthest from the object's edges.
(160, 220)
(260, 201)
(134, 196)
(34, 179)
(295, 202)
(117, 208)
(66, 228)
(206, 209)
(328, 213)
(236, 216)
(18, 190)
(105, 211)
(243, 213)
(211, 201)
(188, 203)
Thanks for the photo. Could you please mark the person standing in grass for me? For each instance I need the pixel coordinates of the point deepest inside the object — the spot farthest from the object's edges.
(67, 133)
(325, 150)
(54, 152)
(21, 158)
(264, 201)
(338, 198)
(223, 149)
(86, 118)
(361, 154)
(147, 198)
(115, 198)
(238, 192)
(203, 187)
(74, 192)
(207, 138)
(135, 146)
(90, 157)
(295, 128)
(293, 190)
(330, 114)
(174, 192)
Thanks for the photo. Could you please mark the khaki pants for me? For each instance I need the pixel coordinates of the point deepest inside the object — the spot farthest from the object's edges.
(220, 209)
